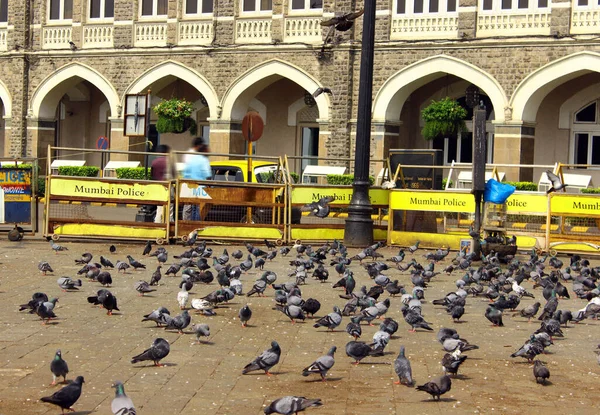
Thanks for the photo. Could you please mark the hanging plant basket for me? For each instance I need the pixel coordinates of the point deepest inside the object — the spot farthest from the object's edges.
(443, 118)
(174, 116)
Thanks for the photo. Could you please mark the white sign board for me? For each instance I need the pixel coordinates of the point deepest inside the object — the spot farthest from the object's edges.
(197, 192)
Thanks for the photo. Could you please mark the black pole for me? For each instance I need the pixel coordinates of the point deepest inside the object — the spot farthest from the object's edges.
(359, 225)
(479, 161)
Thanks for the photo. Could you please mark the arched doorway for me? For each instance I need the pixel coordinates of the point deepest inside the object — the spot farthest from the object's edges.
(6, 112)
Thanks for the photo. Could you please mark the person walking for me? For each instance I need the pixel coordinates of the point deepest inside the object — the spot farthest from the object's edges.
(197, 167)
(162, 170)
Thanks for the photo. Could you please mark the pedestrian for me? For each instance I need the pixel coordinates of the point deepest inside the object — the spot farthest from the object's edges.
(197, 167)
(163, 170)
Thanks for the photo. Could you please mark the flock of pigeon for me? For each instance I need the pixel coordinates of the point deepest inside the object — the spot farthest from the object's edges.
(496, 278)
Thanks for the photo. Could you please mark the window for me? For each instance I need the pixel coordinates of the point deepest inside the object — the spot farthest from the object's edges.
(306, 4)
(198, 6)
(585, 144)
(412, 7)
(249, 6)
(150, 8)
(3, 11)
(102, 9)
(61, 9)
(508, 5)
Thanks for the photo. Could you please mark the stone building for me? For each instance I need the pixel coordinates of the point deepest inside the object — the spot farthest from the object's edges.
(66, 66)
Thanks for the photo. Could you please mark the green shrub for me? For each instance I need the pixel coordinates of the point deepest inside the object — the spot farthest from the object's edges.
(41, 187)
(443, 118)
(524, 186)
(344, 179)
(132, 173)
(81, 171)
(295, 177)
(592, 190)
(444, 180)
(269, 177)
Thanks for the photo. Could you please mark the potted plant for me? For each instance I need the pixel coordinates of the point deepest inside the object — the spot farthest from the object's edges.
(443, 118)
(174, 116)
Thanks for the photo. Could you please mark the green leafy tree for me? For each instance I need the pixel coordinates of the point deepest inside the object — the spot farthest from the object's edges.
(443, 118)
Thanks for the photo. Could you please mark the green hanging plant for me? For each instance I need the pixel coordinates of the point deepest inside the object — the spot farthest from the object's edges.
(443, 118)
(174, 116)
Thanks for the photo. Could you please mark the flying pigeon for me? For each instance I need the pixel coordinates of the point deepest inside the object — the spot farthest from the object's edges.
(320, 209)
(289, 405)
(59, 368)
(322, 365)
(67, 396)
(121, 404)
(557, 184)
(159, 350)
(322, 90)
(265, 361)
(344, 22)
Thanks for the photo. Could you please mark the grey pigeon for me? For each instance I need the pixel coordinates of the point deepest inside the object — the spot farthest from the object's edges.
(289, 405)
(59, 368)
(451, 345)
(179, 322)
(56, 247)
(135, 264)
(245, 315)
(452, 361)
(322, 365)
(320, 209)
(159, 350)
(403, 369)
(45, 267)
(557, 184)
(331, 320)
(156, 276)
(159, 316)
(358, 351)
(294, 312)
(46, 310)
(121, 404)
(143, 287)
(437, 386)
(540, 372)
(530, 311)
(530, 349)
(494, 316)
(258, 288)
(353, 328)
(415, 320)
(201, 330)
(265, 361)
(67, 396)
(68, 283)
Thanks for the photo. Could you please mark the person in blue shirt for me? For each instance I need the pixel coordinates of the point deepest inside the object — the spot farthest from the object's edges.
(197, 167)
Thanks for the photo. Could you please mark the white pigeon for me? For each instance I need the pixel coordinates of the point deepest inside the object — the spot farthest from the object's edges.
(182, 297)
(236, 285)
(200, 304)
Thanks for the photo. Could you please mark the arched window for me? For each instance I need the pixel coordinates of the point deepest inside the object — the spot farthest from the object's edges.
(585, 130)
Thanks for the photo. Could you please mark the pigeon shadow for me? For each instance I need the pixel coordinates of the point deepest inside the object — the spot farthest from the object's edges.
(374, 363)
(81, 412)
(319, 380)
(461, 321)
(546, 383)
(50, 323)
(462, 377)
(439, 400)
(205, 342)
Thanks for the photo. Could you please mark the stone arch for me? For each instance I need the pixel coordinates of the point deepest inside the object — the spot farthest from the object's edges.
(577, 101)
(530, 93)
(48, 93)
(240, 93)
(395, 91)
(178, 70)
(6, 100)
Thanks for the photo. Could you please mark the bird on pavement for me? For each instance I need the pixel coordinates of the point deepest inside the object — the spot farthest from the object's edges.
(158, 350)
(289, 405)
(67, 396)
(403, 369)
(540, 372)
(437, 386)
(59, 368)
(265, 361)
(322, 365)
(245, 315)
(121, 404)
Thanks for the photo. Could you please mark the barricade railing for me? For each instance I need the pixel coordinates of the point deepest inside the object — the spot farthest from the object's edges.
(18, 187)
(100, 207)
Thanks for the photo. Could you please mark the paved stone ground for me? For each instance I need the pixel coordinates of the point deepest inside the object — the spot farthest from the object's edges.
(206, 379)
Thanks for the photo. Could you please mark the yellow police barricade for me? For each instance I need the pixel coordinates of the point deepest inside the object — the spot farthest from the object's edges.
(101, 207)
(573, 223)
(442, 218)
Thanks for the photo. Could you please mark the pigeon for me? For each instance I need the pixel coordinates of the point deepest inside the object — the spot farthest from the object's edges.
(59, 368)
(358, 351)
(265, 361)
(494, 316)
(45, 310)
(104, 278)
(182, 297)
(322, 90)
(179, 322)
(121, 404)
(353, 328)
(437, 386)
(294, 312)
(530, 311)
(156, 276)
(311, 307)
(85, 259)
(143, 287)
(122, 266)
(201, 330)
(135, 264)
(159, 316)
(540, 372)
(67, 396)
(106, 263)
(158, 350)
(322, 365)
(112, 249)
(68, 283)
(36, 299)
(402, 369)
(450, 345)
(331, 320)
(245, 315)
(106, 299)
(45, 267)
(557, 184)
(344, 22)
(320, 209)
(414, 247)
(416, 320)
(289, 405)
(530, 349)
(452, 361)
(147, 248)
(56, 247)
(258, 288)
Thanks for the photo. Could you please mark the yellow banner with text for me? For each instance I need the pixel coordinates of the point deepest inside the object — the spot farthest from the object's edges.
(575, 205)
(97, 189)
(341, 195)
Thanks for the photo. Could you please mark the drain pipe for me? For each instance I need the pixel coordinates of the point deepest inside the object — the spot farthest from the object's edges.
(26, 67)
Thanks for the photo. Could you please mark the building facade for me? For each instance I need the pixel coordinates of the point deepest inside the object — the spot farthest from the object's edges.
(66, 66)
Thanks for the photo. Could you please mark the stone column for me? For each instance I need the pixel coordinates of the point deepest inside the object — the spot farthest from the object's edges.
(226, 137)
(40, 134)
(118, 141)
(467, 19)
(514, 144)
(7, 136)
(560, 20)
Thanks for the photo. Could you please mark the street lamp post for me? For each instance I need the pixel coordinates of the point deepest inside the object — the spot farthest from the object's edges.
(359, 225)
